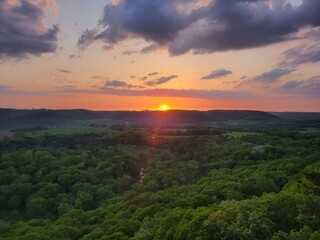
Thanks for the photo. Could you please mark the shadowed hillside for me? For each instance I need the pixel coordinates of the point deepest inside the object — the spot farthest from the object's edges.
(12, 118)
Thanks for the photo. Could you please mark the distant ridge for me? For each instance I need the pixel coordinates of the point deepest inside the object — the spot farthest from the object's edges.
(298, 116)
(14, 118)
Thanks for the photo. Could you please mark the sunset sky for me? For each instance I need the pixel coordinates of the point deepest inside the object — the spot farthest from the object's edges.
(140, 54)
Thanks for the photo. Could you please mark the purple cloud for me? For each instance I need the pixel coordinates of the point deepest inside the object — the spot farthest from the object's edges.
(183, 26)
(22, 31)
(300, 55)
(217, 74)
(119, 84)
(161, 80)
(308, 88)
(182, 93)
(273, 75)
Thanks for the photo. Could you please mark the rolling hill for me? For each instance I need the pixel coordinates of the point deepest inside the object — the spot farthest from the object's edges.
(13, 118)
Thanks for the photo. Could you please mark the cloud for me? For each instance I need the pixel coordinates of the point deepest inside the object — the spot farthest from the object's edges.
(115, 83)
(232, 82)
(64, 71)
(119, 84)
(144, 78)
(129, 52)
(182, 93)
(13, 91)
(5, 89)
(160, 80)
(185, 25)
(108, 47)
(304, 88)
(74, 56)
(308, 88)
(23, 31)
(153, 73)
(87, 37)
(301, 54)
(67, 87)
(149, 49)
(273, 75)
(217, 74)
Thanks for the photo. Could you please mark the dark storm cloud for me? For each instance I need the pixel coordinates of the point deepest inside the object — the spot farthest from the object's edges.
(273, 75)
(221, 25)
(157, 20)
(217, 74)
(161, 80)
(22, 30)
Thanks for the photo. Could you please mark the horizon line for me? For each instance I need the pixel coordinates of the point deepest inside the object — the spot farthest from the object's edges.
(152, 110)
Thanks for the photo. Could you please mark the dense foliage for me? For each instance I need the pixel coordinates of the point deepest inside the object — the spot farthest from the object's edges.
(140, 185)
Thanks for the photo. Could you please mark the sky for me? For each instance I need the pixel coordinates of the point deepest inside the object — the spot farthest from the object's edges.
(141, 54)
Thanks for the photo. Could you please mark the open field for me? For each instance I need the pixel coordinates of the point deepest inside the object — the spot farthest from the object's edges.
(241, 134)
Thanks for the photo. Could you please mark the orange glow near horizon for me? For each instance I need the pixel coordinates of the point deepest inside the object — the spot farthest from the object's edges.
(100, 102)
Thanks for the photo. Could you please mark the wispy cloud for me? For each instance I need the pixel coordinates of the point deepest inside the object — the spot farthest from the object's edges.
(190, 93)
(273, 75)
(144, 78)
(5, 89)
(64, 71)
(129, 52)
(87, 37)
(307, 88)
(153, 73)
(217, 74)
(300, 55)
(115, 83)
(119, 84)
(107, 47)
(149, 49)
(160, 80)
(127, 90)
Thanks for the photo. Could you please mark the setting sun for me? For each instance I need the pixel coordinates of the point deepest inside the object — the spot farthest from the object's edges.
(163, 107)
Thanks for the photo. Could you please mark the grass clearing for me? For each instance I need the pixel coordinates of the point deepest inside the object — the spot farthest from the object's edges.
(241, 134)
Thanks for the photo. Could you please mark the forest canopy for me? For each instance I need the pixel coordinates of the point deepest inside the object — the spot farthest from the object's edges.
(137, 184)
